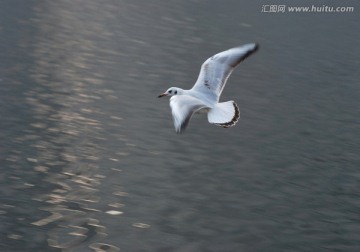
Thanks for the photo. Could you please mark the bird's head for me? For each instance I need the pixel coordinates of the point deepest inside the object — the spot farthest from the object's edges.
(172, 91)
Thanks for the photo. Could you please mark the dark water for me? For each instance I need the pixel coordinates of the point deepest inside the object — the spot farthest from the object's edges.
(89, 157)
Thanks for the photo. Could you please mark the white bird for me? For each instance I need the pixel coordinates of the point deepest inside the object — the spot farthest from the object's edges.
(205, 94)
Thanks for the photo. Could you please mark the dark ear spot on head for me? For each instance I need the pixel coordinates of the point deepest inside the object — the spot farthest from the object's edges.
(175, 91)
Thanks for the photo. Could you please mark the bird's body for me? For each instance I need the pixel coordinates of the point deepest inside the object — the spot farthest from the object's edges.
(205, 94)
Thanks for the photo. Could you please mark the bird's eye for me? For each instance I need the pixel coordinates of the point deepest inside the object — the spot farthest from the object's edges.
(175, 92)
(169, 91)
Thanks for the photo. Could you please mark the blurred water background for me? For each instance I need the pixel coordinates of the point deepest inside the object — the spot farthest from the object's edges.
(89, 157)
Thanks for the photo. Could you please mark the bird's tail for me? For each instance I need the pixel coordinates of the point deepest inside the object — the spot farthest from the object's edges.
(224, 114)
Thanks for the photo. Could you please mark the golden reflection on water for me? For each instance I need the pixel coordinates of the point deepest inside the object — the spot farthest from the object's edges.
(66, 133)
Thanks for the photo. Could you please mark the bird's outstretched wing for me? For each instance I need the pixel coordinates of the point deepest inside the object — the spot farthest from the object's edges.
(216, 70)
(182, 109)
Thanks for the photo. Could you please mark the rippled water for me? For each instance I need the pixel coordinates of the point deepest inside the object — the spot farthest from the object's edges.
(89, 157)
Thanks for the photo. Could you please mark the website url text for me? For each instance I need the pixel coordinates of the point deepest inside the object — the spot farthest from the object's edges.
(272, 8)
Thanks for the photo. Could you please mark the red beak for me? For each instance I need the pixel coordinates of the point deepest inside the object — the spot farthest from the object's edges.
(161, 95)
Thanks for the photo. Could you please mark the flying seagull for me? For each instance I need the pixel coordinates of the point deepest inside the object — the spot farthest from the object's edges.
(204, 95)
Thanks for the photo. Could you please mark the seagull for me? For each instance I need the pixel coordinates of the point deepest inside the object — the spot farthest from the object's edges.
(204, 95)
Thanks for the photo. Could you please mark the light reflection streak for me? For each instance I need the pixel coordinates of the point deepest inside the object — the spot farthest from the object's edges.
(102, 247)
(66, 132)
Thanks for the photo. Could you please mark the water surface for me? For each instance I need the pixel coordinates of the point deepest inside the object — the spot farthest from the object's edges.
(90, 160)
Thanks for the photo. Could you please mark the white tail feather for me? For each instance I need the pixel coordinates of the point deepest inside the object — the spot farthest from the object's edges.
(224, 114)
